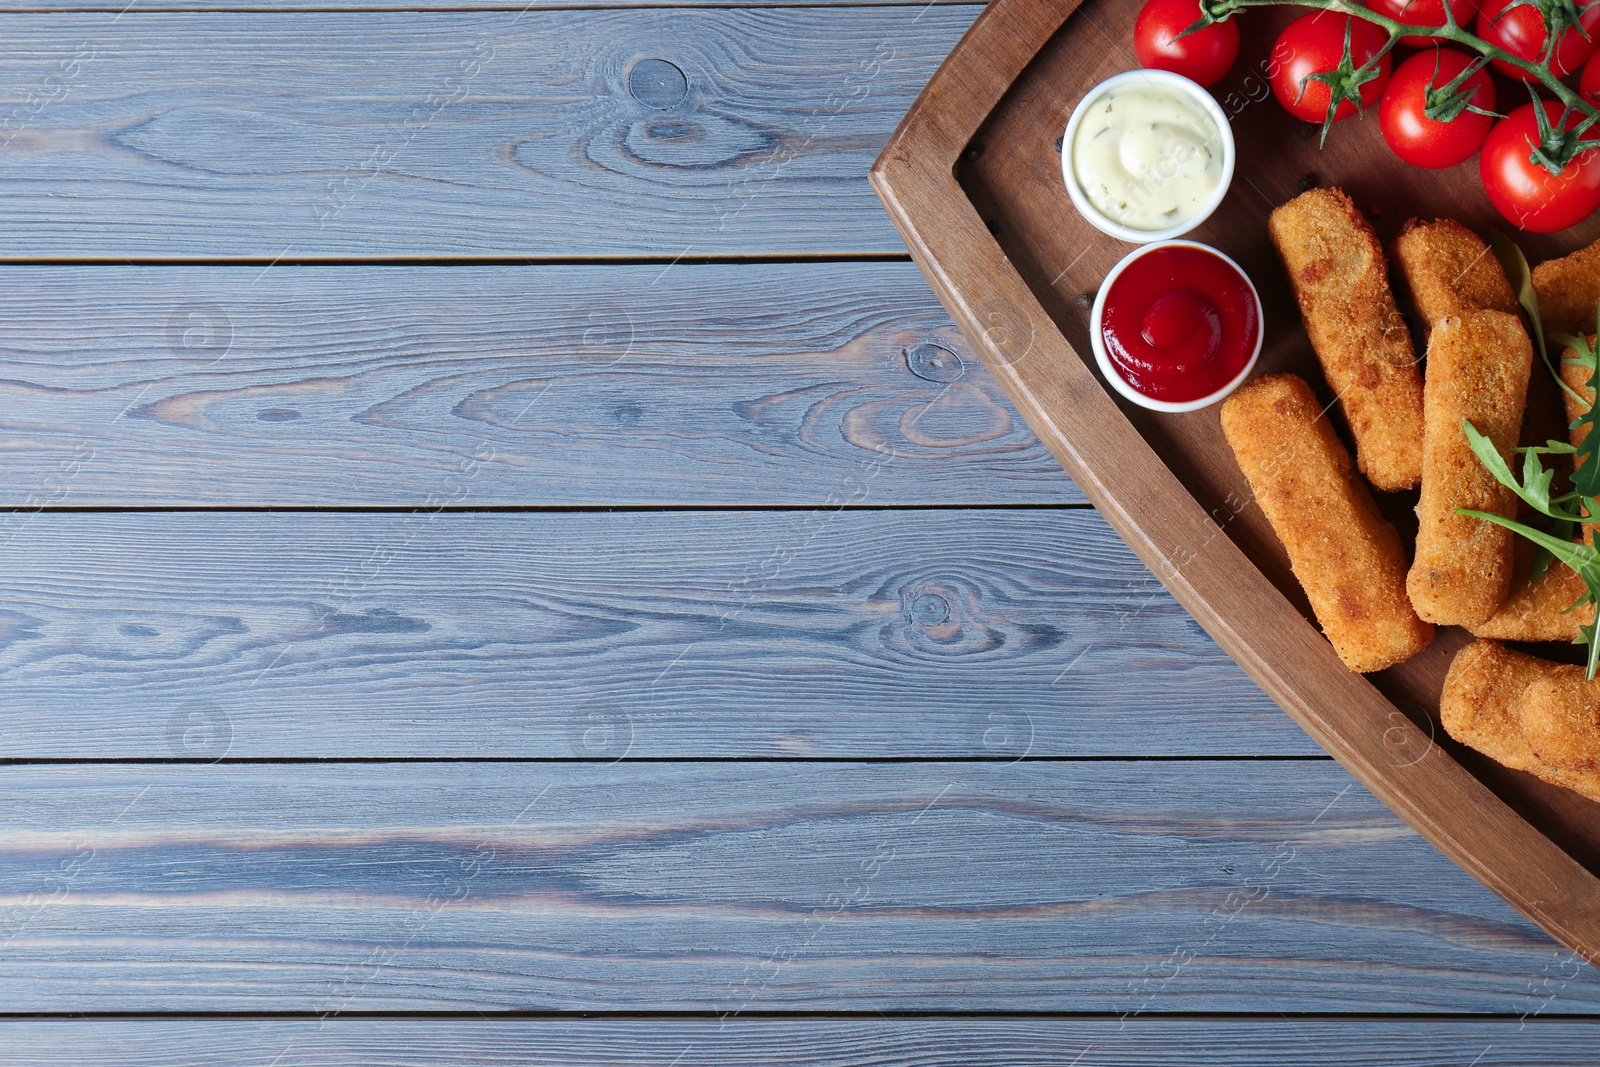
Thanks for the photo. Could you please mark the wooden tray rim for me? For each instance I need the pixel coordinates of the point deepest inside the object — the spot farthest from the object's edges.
(1156, 514)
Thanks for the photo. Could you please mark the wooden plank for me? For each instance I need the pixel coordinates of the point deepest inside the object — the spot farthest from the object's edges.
(996, 633)
(814, 1042)
(732, 887)
(414, 134)
(378, 386)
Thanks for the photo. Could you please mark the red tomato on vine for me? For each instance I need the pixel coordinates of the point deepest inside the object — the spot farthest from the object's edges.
(1325, 65)
(1523, 28)
(1427, 112)
(1516, 168)
(1424, 14)
(1589, 81)
(1204, 56)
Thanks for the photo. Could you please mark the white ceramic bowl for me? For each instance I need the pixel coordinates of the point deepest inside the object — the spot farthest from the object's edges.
(1203, 99)
(1109, 369)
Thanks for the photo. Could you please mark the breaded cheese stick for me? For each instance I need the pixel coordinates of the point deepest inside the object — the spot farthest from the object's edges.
(1568, 289)
(1478, 368)
(1341, 282)
(1537, 610)
(1560, 716)
(1447, 269)
(1515, 708)
(1345, 554)
(1482, 687)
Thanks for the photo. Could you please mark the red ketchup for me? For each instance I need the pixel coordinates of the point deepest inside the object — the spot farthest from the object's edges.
(1179, 323)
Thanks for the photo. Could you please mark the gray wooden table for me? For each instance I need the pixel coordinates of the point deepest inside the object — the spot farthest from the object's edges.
(506, 561)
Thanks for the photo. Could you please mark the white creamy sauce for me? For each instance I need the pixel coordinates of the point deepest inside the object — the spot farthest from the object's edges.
(1147, 157)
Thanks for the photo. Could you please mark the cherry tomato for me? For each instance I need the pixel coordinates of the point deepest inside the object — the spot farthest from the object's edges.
(1526, 193)
(1314, 44)
(1419, 140)
(1204, 56)
(1519, 29)
(1427, 14)
(1589, 83)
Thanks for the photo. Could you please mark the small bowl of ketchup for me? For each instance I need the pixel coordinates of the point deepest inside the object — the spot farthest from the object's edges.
(1176, 326)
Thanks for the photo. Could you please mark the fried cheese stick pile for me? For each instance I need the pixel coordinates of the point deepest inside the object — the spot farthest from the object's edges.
(1539, 611)
(1345, 554)
(1405, 433)
(1376, 610)
(1543, 610)
(1341, 281)
(1449, 270)
(1522, 711)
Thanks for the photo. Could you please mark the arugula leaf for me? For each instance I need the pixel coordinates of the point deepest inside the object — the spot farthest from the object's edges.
(1536, 492)
(1490, 457)
(1589, 634)
(1541, 564)
(1544, 557)
(1584, 561)
(1574, 554)
(1536, 481)
(1586, 472)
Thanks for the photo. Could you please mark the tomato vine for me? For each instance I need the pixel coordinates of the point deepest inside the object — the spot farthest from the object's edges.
(1558, 146)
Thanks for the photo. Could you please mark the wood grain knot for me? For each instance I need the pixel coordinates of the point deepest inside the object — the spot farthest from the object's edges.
(658, 84)
(930, 609)
(935, 363)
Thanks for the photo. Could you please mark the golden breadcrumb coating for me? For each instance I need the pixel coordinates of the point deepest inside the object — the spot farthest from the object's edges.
(1483, 684)
(1345, 554)
(1560, 715)
(1537, 610)
(1526, 713)
(1478, 368)
(1337, 269)
(1568, 289)
(1447, 269)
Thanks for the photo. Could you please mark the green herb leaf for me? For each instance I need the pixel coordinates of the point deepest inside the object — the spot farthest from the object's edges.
(1574, 554)
(1584, 561)
(1490, 457)
(1536, 481)
(1536, 492)
(1586, 470)
(1552, 448)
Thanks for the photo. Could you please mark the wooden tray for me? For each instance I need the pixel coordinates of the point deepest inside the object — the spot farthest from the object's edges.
(972, 178)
